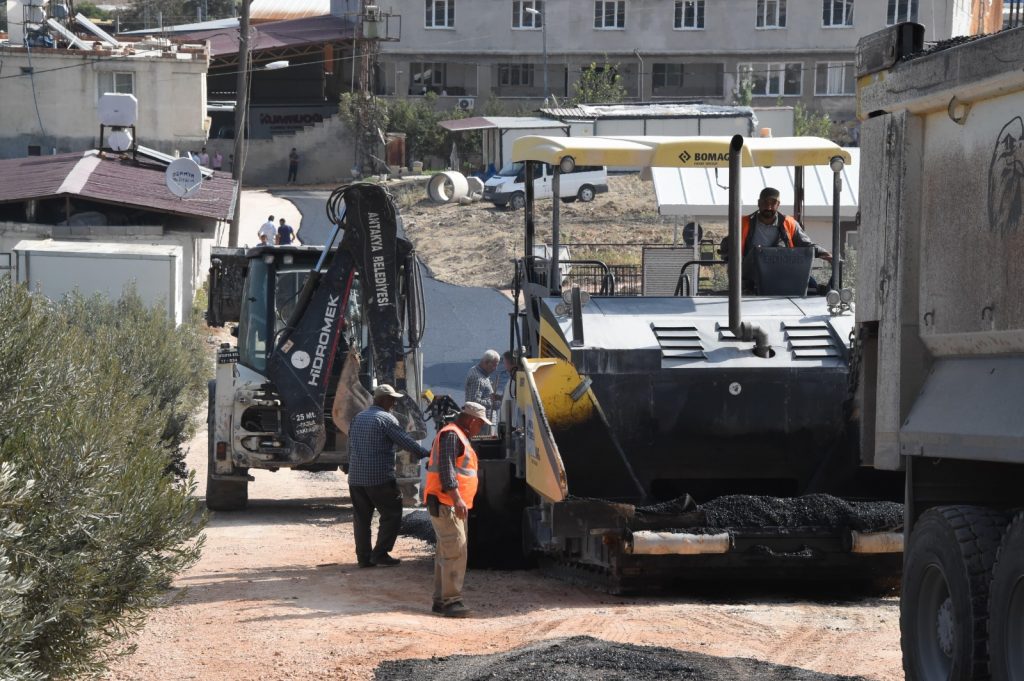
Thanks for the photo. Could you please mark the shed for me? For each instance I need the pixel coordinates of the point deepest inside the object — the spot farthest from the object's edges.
(499, 132)
(677, 120)
(56, 268)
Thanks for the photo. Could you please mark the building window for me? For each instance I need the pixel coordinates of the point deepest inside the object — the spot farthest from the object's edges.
(440, 14)
(900, 11)
(837, 13)
(515, 75)
(687, 80)
(774, 80)
(521, 18)
(121, 82)
(834, 78)
(771, 14)
(610, 14)
(689, 14)
(426, 77)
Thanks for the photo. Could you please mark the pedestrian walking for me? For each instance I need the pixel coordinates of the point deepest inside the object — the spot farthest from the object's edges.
(372, 438)
(293, 165)
(204, 158)
(479, 388)
(285, 234)
(449, 492)
(268, 232)
(218, 160)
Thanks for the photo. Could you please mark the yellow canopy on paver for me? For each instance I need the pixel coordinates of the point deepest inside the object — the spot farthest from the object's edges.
(677, 152)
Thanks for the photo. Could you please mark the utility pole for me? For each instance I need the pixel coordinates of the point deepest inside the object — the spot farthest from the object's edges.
(241, 115)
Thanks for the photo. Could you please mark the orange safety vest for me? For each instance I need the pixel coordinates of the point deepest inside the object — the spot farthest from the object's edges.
(465, 470)
(788, 228)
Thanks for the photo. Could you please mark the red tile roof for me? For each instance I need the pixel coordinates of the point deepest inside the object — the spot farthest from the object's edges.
(111, 180)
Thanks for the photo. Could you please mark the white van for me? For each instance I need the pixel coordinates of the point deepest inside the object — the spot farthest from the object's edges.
(507, 187)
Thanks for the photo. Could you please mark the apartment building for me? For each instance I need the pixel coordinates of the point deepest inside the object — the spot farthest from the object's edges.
(788, 51)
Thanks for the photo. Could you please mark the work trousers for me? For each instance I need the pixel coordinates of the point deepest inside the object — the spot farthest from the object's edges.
(450, 558)
(387, 500)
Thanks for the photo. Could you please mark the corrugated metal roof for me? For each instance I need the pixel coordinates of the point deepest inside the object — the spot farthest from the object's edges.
(594, 111)
(278, 34)
(111, 180)
(502, 122)
(280, 10)
(701, 192)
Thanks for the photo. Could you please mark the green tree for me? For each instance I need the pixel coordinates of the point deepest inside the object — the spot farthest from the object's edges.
(599, 84)
(811, 124)
(92, 527)
(745, 90)
(367, 117)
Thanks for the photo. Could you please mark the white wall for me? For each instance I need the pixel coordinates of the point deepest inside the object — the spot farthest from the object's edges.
(194, 245)
(65, 84)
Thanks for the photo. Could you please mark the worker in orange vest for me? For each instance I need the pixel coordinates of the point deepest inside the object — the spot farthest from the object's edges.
(448, 494)
(769, 228)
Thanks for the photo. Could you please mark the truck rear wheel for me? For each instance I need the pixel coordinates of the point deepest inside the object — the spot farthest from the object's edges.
(586, 193)
(944, 604)
(221, 495)
(1006, 606)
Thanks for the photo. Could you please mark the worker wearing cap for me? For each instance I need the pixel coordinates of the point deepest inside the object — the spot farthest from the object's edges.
(769, 228)
(372, 437)
(449, 492)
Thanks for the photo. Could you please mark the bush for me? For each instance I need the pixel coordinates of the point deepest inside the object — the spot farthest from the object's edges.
(96, 398)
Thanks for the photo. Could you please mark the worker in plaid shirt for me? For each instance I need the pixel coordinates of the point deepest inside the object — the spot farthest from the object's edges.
(372, 438)
(480, 389)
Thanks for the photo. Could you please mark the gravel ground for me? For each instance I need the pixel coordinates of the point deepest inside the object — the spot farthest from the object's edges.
(819, 510)
(582, 658)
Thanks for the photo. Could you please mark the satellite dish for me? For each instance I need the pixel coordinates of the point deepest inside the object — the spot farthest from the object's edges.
(120, 140)
(183, 177)
(118, 110)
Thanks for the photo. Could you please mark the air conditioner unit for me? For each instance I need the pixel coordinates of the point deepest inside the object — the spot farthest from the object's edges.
(466, 103)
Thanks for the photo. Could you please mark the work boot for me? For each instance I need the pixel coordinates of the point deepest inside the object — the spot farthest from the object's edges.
(367, 563)
(456, 609)
(385, 561)
(437, 608)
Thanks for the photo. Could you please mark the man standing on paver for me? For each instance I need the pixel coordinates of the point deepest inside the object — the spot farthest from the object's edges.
(449, 491)
(479, 388)
(372, 438)
(268, 232)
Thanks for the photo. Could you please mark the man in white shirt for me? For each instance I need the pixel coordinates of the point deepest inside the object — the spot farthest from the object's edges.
(268, 232)
(204, 158)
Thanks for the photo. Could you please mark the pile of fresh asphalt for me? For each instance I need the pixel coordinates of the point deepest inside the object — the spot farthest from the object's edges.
(812, 510)
(582, 658)
(417, 524)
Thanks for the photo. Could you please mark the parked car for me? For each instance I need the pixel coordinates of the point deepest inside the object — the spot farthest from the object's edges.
(508, 187)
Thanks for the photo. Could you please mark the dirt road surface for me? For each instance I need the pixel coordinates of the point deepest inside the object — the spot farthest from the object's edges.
(278, 595)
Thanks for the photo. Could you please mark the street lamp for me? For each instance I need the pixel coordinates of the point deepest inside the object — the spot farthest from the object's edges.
(544, 42)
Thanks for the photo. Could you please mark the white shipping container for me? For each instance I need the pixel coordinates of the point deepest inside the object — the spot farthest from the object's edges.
(55, 268)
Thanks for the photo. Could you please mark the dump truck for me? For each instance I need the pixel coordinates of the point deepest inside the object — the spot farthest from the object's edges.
(317, 329)
(940, 336)
(651, 439)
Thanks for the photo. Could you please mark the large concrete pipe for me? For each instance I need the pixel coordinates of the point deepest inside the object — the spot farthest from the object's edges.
(447, 186)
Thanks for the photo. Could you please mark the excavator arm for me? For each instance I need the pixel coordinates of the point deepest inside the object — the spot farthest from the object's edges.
(304, 352)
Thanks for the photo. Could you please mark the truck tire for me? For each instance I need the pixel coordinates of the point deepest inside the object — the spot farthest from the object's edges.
(517, 201)
(1006, 606)
(944, 604)
(586, 193)
(221, 495)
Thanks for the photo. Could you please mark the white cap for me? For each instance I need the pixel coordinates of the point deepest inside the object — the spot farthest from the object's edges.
(476, 411)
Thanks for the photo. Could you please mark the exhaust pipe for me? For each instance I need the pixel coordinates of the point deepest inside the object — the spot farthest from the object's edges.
(744, 331)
